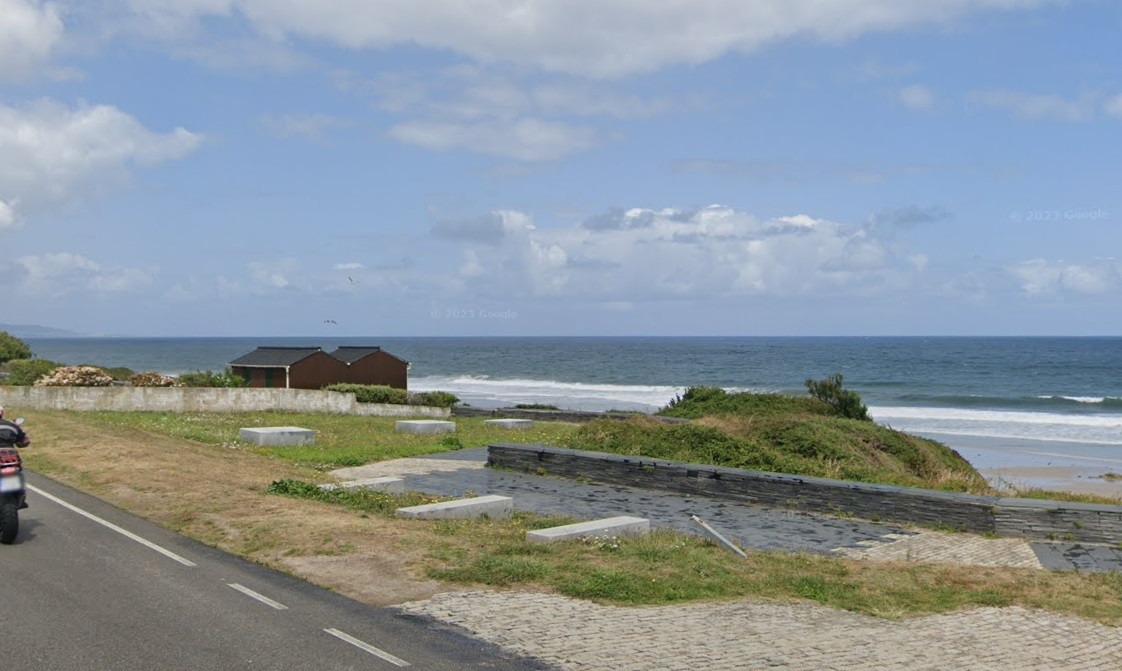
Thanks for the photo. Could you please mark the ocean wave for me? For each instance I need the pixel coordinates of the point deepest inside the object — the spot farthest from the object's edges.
(483, 390)
(1097, 429)
(1059, 402)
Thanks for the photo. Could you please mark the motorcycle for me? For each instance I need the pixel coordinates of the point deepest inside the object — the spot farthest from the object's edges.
(13, 488)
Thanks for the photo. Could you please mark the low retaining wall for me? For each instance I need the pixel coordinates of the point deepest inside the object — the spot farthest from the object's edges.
(205, 399)
(1023, 518)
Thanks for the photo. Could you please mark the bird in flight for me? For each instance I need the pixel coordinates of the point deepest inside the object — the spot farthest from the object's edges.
(330, 321)
(351, 280)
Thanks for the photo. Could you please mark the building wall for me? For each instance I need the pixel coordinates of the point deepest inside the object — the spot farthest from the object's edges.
(380, 368)
(202, 399)
(316, 372)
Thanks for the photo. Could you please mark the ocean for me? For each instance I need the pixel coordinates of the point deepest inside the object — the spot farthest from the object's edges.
(1053, 398)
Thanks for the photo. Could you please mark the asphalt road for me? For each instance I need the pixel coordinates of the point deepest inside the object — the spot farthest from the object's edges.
(120, 593)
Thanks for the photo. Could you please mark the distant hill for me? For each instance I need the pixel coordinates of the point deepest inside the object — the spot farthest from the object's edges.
(34, 331)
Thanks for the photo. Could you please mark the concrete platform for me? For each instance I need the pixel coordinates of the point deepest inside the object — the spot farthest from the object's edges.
(277, 435)
(609, 526)
(494, 507)
(510, 423)
(389, 485)
(424, 426)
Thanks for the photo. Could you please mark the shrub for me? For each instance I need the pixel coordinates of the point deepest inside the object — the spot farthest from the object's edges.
(118, 373)
(372, 393)
(75, 376)
(699, 402)
(207, 378)
(154, 379)
(436, 399)
(845, 401)
(12, 347)
(24, 372)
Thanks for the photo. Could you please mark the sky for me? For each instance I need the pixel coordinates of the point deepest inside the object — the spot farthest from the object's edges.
(561, 167)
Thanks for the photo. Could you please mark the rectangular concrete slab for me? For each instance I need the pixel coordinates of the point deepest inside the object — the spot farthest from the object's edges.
(494, 507)
(424, 426)
(389, 485)
(277, 435)
(609, 526)
(510, 423)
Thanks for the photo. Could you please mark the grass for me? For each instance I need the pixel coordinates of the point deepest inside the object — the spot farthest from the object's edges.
(139, 469)
(341, 440)
(666, 568)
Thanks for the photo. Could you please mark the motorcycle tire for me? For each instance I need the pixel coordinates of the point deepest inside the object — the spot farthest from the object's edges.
(9, 521)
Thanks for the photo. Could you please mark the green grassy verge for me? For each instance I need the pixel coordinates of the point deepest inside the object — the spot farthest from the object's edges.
(341, 440)
(667, 568)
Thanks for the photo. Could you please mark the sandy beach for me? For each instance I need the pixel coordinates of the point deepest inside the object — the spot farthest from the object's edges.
(1073, 467)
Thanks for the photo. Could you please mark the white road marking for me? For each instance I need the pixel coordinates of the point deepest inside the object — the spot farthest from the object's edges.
(124, 532)
(367, 647)
(255, 595)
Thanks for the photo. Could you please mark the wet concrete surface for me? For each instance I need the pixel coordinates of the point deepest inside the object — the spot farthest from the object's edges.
(750, 527)
(1079, 557)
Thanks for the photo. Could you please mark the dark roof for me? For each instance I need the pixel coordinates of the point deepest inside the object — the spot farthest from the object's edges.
(273, 357)
(352, 353)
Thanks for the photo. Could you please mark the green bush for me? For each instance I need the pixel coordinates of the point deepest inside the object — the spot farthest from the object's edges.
(372, 393)
(698, 402)
(24, 372)
(436, 399)
(12, 347)
(118, 373)
(154, 379)
(845, 401)
(207, 378)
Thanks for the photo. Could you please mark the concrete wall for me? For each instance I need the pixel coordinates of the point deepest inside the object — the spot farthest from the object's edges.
(1024, 518)
(203, 399)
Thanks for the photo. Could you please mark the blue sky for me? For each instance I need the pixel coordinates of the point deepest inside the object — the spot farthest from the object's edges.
(549, 167)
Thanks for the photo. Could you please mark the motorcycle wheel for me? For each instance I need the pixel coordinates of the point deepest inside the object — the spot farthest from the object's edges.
(9, 521)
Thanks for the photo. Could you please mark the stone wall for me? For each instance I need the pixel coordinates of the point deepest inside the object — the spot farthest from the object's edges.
(1031, 519)
(204, 399)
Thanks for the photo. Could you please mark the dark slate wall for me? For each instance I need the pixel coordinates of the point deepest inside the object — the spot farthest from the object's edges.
(978, 514)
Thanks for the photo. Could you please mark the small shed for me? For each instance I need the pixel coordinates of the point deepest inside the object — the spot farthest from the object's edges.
(373, 365)
(290, 368)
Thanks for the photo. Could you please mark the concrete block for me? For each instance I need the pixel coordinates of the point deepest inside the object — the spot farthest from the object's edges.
(495, 507)
(278, 435)
(389, 485)
(510, 423)
(424, 426)
(609, 526)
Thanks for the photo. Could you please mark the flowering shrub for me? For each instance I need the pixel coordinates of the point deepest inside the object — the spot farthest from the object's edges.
(75, 376)
(153, 379)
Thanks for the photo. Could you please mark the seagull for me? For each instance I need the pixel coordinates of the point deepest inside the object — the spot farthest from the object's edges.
(330, 321)
(351, 280)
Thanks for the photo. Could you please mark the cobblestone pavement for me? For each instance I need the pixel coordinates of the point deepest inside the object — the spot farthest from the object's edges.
(572, 634)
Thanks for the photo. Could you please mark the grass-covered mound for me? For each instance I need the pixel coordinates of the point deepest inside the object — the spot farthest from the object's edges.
(782, 434)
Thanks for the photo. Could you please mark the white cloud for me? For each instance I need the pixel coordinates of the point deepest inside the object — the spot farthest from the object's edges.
(1113, 107)
(30, 31)
(348, 266)
(51, 153)
(916, 97)
(602, 38)
(1038, 277)
(644, 254)
(307, 126)
(525, 139)
(7, 216)
(1039, 106)
(66, 273)
(279, 274)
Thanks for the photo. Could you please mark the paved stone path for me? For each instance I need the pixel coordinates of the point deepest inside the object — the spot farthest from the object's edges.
(571, 634)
